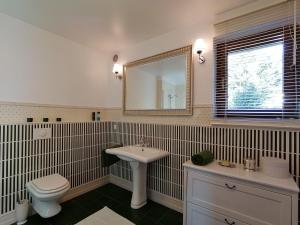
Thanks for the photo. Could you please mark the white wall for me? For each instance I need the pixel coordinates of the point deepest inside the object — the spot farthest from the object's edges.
(40, 67)
(203, 74)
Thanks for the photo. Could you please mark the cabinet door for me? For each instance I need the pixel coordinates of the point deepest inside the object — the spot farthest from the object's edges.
(246, 203)
(197, 215)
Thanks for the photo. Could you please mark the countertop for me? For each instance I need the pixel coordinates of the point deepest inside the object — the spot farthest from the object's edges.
(287, 184)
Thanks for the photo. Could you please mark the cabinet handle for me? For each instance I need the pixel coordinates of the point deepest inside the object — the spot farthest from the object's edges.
(232, 223)
(230, 187)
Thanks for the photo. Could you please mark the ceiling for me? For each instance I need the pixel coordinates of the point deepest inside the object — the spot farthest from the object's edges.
(114, 24)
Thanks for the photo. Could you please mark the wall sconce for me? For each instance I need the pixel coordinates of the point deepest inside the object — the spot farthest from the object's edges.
(199, 48)
(117, 68)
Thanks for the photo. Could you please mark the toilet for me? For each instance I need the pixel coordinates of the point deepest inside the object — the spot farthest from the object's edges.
(45, 193)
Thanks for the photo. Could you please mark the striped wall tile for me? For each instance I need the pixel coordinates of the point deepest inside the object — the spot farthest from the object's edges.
(74, 151)
(234, 144)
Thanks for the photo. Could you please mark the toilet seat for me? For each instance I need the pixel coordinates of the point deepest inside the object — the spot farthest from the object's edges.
(50, 184)
(46, 192)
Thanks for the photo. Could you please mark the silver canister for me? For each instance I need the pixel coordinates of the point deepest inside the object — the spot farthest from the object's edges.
(250, 164)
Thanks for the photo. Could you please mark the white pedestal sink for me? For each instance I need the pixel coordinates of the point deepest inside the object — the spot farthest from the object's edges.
(138, 157)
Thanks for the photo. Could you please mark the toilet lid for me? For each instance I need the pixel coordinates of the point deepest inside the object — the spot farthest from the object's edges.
(50, 183)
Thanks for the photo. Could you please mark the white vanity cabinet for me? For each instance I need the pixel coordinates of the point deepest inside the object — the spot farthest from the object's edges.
(215, 195)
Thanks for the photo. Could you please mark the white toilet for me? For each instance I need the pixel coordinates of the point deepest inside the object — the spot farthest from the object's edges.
(45, 192)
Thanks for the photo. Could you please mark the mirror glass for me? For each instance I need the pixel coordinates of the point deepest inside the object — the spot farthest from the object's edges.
(158, 84)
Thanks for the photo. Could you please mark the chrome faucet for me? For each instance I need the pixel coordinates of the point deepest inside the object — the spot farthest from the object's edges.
(143, 142)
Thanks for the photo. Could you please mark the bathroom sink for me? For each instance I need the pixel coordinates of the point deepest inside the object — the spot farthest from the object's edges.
(138, 157)
(138, 153)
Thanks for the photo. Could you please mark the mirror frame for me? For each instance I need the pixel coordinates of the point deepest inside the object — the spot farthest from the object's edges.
(187, 50)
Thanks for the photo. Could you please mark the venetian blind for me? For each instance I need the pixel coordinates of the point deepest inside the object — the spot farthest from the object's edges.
(257, 64)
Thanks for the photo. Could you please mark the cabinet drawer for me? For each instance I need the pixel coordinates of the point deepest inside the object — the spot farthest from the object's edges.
(197, 215)
(246, 203)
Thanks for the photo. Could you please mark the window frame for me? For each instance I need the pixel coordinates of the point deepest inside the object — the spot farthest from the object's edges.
(272, 36)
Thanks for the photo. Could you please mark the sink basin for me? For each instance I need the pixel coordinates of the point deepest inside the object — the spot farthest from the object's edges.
(138, 157)
(137, 153)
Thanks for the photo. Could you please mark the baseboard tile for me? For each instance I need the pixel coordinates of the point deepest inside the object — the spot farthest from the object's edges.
(155, 196)
(8, 218)
(166, 200)
(75, 192)
(120, 182)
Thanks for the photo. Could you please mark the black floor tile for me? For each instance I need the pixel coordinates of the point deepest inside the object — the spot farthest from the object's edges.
(171, 217)
(118, 200)
(37, 220)
(156, 211)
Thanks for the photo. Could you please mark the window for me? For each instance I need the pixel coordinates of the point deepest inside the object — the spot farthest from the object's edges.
(256, 77)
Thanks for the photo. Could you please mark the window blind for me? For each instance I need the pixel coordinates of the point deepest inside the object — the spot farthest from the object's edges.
(257, 64)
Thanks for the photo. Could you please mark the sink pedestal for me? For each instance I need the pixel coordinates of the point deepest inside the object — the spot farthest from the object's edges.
(138, 157)
(139, 179)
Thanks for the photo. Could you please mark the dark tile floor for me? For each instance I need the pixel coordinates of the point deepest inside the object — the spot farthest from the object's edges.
(116, 199)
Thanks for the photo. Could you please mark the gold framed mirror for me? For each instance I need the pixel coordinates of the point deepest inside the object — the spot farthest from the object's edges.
(159, 84)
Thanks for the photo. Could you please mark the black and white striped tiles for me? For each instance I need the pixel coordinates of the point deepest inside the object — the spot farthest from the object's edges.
(74, 151)
(234, 144)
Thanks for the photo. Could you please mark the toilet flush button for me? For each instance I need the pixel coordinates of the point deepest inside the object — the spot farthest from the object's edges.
(42, 133)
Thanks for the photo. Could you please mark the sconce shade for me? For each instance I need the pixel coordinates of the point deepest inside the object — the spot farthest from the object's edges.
(117, 69)
(199, 46)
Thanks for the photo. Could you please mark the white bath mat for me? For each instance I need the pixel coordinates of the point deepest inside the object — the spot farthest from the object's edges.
(105, 216)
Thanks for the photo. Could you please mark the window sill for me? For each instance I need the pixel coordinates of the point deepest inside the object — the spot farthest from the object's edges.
(258, 123)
